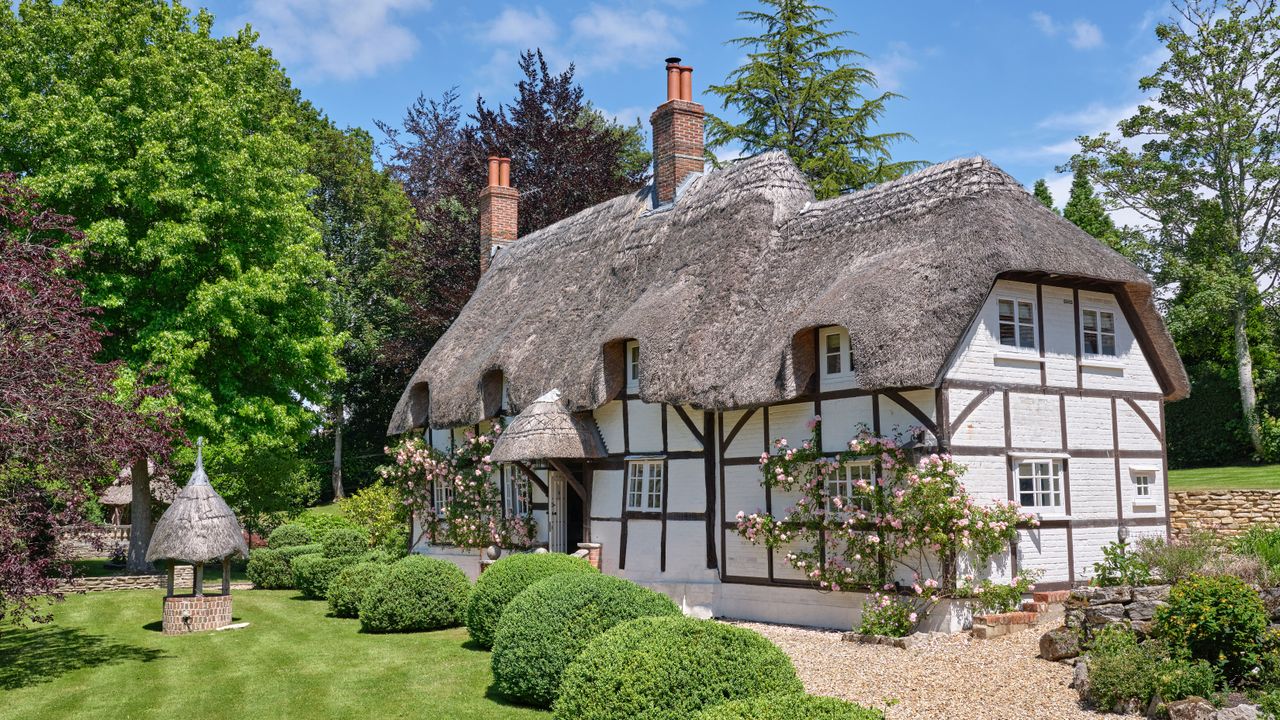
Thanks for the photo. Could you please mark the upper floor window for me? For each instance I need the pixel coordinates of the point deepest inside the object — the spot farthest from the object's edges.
(841, 485)
(504, 406)
(633, 366)
(1040, 484)
(644, 485)
(837, 359)
(1099, 329)
(515, 491)
(1017, 323)
(1142, 483)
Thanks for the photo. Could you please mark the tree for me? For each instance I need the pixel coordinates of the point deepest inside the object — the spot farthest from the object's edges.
(801, 91)
(1041, 192)
(1085, 210)
(67, 421)
(1209, 131)
(180, 155)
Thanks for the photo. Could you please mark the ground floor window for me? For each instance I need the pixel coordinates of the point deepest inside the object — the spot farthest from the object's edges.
(841, 484)
(644, 485)
(516, 491)
(1040, 484)
(443, 495)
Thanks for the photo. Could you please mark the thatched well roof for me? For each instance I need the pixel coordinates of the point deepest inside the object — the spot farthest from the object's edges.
(721, 287)
(198, 527)
(546, 430)
(120, 491)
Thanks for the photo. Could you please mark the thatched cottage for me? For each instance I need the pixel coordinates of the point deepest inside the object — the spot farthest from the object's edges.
(651, 347)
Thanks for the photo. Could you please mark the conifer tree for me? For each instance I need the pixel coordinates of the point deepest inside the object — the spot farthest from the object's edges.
(1041, 191)
(1085, 209)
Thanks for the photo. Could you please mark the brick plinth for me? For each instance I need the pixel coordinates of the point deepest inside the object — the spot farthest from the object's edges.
(994, 625)
(189, 613)
(593, 553)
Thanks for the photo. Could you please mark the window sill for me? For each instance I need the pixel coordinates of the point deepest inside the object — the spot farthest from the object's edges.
(1102, 363)
(1055, 517)
(1014, 356)
(1145, 506)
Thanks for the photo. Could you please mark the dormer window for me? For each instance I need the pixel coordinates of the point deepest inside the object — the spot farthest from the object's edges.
(837, 359)
(633, 366)
(505, 404)
(1017, 323)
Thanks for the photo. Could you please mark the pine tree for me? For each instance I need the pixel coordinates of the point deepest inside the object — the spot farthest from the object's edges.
(1041, 191)
(1085, 210)
(801, 91)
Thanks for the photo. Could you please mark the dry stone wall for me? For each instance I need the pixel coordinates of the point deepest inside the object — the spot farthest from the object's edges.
(1224, 512)
(182, 577)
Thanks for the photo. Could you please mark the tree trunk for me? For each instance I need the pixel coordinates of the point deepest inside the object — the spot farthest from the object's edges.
(1244, 372)
(338, 417)
(140, 518)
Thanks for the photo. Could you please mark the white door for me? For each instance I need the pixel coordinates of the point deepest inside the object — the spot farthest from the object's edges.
(557, 537)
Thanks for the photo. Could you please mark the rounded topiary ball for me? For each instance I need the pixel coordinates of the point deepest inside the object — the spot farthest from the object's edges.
(313, 573)
(349, 586)
(789, 707)
(269, 569)
(417, 593)
(661, 668)
(506, 578)
(344, 541)
(545, 627)
(289, 535)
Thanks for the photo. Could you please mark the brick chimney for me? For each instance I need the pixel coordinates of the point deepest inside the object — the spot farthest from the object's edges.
(677, 133)
(499, 203)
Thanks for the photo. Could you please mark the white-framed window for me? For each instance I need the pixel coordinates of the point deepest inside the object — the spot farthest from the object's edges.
(1142, 484)
(837, 358)
(842, 482)
(1040, 484)
(633, 366)
(1098, 328)
(443, 494)
(644, 485)
(1017, 322)
(516, 491)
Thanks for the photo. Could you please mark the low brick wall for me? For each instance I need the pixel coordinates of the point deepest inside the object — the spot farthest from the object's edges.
(188, 613)
(1224, 512)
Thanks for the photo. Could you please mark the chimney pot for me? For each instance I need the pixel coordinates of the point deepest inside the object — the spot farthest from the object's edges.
(673, 81)
(504, 172)
(686, 84)
(493, 170)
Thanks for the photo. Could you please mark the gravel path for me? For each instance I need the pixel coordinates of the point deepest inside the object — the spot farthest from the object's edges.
(949, 676)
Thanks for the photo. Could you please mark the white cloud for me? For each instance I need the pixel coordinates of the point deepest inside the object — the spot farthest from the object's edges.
(1091, 119)
(515, 27)
(335, 38)
(606, 37)
(1044, 22)
(1085, 35)
(890, 67)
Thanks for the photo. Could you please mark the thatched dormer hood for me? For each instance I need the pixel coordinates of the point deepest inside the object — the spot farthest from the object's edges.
(724, 288)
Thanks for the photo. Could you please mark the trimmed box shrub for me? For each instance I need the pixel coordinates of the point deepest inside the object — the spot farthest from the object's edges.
(321, 524)
(293, 551)
(789, 707)
(545, 627)
(269, 570)
(312, 573)
(1219, 619)
(503, 580)
(668, 668)
(417, 593)
(289, 535)
(343, 542)
(349, 586)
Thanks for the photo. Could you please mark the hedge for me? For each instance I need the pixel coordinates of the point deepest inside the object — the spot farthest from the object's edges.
(417, 593)
(668, 668)
(782, 706)
(321, 524)
(269, 570)
(545, 627)
(506, 578)
(289, 535)
(342, 542)
(312, 573)
(349, 586)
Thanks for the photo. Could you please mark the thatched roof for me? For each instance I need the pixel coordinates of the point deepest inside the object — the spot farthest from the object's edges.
(546, 430)
(120, 491)
(198, 527)
(721, 288)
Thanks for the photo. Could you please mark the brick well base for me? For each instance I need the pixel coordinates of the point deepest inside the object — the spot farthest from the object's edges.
(187, 613)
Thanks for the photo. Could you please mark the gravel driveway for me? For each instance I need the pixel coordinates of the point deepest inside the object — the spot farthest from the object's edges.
(950, 677)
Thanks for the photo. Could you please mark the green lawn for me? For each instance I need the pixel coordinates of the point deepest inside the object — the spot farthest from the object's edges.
(1236, 477)
(104, 657)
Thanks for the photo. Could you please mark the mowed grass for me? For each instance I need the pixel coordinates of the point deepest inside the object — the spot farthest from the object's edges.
(1234, 477)
(103, 656)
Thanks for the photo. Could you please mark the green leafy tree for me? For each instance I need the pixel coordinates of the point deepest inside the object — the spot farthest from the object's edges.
(1041, 192)
(801, 91)
(1209, 130)
(181, 155)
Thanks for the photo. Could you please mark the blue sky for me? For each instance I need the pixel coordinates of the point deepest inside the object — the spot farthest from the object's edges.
(1014, 81)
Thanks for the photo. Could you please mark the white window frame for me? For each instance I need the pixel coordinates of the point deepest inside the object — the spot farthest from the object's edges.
(841, 482)
(1018, 324)
(843, 354)
(1143, 481)
(517, 491)
(442, 495)
(646, 483)
(631, 359)
(1098, 332)
(1042, 484)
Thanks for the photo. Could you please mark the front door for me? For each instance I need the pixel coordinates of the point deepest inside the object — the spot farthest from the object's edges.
(557, 513)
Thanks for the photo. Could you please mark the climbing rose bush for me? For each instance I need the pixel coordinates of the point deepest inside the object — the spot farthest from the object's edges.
(915, 516)
(473, 516)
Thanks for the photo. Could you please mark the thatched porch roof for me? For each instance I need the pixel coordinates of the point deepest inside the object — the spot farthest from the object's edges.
(723, 289)
(198, 527)
(547, 430)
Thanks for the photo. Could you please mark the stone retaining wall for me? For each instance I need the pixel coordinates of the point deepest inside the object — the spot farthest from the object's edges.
(182, 578)
(1089, 609)
(1225, 512)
